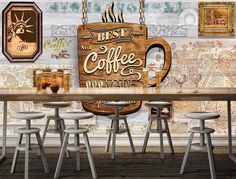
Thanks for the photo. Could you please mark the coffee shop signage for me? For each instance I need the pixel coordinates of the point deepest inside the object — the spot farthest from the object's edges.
(113, 54)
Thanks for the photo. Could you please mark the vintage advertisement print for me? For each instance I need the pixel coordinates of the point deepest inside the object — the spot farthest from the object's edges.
(22, 31)
(113, 54)
(216, 18)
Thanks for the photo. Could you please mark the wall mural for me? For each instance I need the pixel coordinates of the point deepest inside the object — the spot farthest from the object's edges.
(22, 31)
(213, 58)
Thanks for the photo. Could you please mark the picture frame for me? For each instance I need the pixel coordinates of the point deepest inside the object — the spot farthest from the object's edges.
(216, 18)
(22, 31)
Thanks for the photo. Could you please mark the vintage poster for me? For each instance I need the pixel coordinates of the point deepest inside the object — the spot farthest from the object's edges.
(22, 32)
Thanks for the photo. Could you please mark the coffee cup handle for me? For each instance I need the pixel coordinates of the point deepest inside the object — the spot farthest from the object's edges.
(164, 45)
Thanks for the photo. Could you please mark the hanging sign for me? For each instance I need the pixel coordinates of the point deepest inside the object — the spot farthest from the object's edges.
(22, 31)
(113, 54)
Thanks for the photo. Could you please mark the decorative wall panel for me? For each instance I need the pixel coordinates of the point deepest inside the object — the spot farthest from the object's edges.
(214, 58)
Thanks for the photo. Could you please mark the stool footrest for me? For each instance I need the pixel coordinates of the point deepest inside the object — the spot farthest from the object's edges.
(120, 131)
(157, 131)
(54, 131)
(52, 117)
(202, 131)
(76, 131)
(74, 148)
(198, 147)
(23, 130)
(32, 146)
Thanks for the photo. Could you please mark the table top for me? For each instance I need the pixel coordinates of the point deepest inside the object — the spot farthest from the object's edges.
(122, 94)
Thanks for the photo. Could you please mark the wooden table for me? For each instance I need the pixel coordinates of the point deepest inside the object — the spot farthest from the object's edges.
(138, 94)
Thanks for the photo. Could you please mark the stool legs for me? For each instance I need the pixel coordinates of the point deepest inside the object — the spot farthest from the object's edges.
(63, 151)
(160, 131)
(161, 138)
(147, 135)
(16, 154)
(210, 156)
(115, 127)
(90, 158)
(186, 153)
(45, 130)
(27, 149)
(129, 135)
(42, 154)
(61, 130)
(169, 137)
(60, 126)
(209, 151)
(63, 127)
(77, 143)
(109, 138)
(202, 137)
(27, 143)
(61, 156)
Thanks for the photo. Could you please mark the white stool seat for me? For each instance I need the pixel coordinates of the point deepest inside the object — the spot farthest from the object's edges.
(202, 131)
(158, 104)
(59, 104)
(23, 130)
(28, 115)
(53, 117)
(202, 115)
(73, 130)
(117, 103)
(76, 115)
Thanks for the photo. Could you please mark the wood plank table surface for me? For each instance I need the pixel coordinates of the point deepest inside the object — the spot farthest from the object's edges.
(141, 94)
(125, 94)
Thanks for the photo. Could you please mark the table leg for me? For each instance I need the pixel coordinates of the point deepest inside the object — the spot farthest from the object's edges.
(231, 156)
(4, 132)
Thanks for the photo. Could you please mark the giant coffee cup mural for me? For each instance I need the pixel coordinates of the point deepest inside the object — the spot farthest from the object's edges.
(113, 54)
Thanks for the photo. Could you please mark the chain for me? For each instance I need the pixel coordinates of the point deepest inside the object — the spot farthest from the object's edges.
(141, 18)
(84, 12)
(85, 17)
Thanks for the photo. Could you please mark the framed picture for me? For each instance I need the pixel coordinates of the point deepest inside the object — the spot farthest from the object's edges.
(216, 18)
(22, 31)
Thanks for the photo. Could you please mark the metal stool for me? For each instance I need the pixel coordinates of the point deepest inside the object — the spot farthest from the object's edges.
(77, 146)
(28, 116)
(158, 106)
(202, 146)
(115, 128)
(59, 122)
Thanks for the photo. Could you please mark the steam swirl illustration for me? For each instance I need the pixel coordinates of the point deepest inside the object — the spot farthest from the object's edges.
(111, 12)
(112, 15)
(120, 17)
(104, 16)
